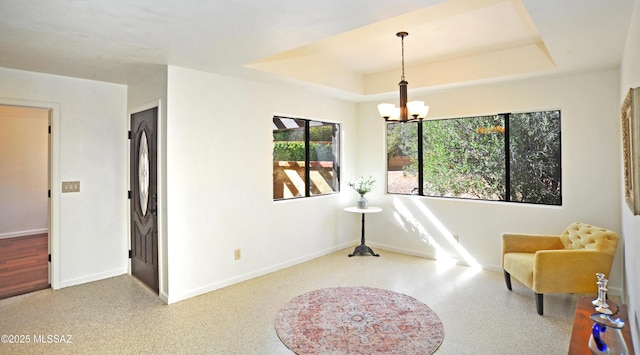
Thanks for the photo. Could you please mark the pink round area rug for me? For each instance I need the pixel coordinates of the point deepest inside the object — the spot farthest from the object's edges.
(358, 320)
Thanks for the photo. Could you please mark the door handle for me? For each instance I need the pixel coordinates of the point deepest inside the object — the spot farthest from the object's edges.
(154, 209)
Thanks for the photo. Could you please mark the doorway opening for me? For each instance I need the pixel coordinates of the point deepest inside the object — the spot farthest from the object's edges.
(25, 209)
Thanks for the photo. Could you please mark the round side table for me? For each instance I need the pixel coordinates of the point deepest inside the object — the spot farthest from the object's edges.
(362, 249)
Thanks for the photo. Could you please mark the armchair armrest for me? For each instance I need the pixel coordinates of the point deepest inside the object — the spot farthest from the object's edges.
(569, 271)
(529, 243)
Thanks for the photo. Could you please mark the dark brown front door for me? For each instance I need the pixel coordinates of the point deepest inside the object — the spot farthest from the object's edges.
(144, 216)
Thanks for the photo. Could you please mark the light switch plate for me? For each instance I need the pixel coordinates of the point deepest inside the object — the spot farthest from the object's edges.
(70, 186)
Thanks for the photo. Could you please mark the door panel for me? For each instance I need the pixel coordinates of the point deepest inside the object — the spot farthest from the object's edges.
(144, 220)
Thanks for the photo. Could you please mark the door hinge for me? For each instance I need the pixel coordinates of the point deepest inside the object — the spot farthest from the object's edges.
(130, 254)
(49, 257)
(129, 195)
(49, 193)
(49, 130)
(129, 135)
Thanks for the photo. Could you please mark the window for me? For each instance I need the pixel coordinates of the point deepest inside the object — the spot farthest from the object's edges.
(507, 157)
(305, 158)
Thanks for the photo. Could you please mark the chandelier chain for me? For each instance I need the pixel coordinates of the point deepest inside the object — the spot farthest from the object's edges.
(402, 38)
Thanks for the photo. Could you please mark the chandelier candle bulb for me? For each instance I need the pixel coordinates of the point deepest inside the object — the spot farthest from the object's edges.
(396, 114)
(386, 110)
(415, 108)
(423, 113)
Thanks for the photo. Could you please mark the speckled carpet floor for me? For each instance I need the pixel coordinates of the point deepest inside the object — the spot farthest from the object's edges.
(121, 316)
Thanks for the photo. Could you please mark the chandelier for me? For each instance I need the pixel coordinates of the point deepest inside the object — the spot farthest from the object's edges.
(408, 111)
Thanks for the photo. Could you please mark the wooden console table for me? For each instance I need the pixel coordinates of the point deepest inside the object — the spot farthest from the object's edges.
(582, 324)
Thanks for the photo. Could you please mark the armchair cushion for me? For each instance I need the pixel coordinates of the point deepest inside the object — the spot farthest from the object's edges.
(520, 265)
(584, 236)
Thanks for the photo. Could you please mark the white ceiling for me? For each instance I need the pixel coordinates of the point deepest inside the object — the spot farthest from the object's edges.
(347, 49)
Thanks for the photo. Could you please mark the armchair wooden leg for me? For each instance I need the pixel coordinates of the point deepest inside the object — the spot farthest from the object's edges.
(507, 279)
(539, 304)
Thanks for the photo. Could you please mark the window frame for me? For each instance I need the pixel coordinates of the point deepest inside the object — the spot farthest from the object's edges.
(336, 152)
(507, 158)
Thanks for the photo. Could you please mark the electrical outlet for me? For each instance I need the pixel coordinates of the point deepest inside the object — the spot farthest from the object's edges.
(237, 254)
(71, 186)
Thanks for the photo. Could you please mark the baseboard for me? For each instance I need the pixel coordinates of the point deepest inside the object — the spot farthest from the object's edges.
(401, 250)
(614, 291)
(94, 277)
(164, 297)
(24, 233)
(430, 256)
(260, 272)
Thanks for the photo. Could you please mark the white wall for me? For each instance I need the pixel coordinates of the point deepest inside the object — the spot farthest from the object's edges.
(590, 172)
(89, 241)
(24, 205)
(219, 183)
(630, 77)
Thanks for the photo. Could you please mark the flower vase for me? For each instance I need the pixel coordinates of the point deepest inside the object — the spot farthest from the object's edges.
(362, 202)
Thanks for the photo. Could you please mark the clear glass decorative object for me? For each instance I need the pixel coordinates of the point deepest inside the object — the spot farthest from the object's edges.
(606, 335)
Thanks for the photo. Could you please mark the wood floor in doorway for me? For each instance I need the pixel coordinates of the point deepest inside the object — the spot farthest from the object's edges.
(24, 264)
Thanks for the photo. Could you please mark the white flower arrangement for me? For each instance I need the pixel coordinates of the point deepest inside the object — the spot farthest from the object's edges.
(362, 184)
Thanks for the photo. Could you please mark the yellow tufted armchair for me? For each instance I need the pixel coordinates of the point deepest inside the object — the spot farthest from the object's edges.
(565, 263)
